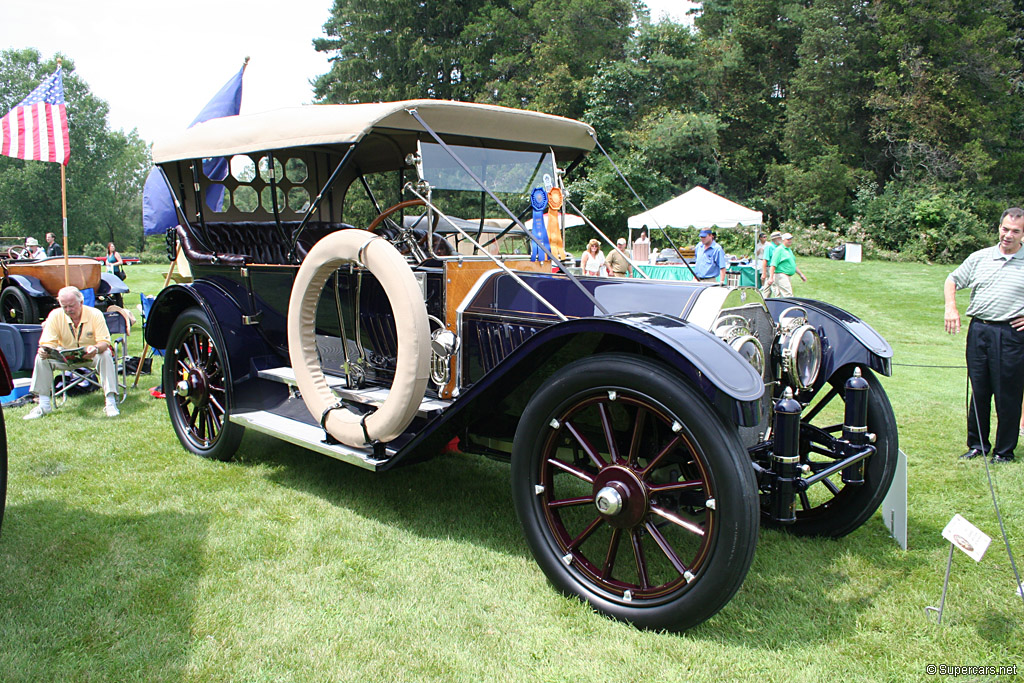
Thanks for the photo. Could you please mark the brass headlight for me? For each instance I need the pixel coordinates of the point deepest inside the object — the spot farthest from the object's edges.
(800, 346)
(751, 349)
(734, 331)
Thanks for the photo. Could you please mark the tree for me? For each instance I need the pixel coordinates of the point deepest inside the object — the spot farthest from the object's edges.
(749, 57)
(943, 101)
(526, 54)
(104, 176)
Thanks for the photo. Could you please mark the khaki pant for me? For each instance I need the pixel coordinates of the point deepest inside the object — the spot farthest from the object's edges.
(42, 374)
(783, 284)
(770, 290)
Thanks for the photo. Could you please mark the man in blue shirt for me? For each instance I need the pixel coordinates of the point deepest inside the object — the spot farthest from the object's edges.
(710, 262)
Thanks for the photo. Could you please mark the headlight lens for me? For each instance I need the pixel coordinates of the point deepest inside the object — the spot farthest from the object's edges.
(751, 349)
(801, 356)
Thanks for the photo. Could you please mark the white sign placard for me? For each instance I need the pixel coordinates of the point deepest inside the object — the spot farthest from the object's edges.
(853, 252)
(894, 505)
(967, 537)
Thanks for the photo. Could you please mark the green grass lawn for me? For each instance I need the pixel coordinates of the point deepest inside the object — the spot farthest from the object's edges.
(125, 558)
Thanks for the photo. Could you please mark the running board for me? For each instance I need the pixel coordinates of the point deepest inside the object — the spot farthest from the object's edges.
(309, 437)
(371, 396)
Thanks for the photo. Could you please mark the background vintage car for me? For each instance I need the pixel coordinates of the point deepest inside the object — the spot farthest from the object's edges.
(28, 288)
(651, 426)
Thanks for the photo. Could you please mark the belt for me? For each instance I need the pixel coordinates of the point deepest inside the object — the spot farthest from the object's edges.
(991, 322)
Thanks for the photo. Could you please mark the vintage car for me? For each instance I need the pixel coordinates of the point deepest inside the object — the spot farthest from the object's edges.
(28, 288)
(651, 426)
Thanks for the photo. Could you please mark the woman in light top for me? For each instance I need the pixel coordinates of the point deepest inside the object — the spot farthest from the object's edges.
(593, 262)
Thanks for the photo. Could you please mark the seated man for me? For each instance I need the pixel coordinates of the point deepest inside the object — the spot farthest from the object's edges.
(33, 250)
(74, 325)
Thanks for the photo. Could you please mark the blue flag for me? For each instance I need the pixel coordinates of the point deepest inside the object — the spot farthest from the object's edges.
(157, 204)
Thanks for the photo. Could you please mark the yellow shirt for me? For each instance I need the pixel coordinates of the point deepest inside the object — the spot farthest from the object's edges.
(59, 332)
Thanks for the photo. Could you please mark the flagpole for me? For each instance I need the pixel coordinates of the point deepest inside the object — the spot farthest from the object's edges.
(64, 207)
(64, 221)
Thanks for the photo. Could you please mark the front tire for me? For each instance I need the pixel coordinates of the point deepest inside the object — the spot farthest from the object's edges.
(196, 385)
(18, 307)
(633, 494)
(831, 508)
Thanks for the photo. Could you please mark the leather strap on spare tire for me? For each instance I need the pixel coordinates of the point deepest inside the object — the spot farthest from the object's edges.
(410, 314)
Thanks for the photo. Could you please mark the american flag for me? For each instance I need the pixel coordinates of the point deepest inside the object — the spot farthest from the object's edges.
(37, 128)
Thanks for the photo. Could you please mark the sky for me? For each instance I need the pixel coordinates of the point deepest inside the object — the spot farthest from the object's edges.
(158, 64)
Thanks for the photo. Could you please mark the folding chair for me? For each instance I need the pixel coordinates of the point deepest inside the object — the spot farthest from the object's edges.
(86, 376)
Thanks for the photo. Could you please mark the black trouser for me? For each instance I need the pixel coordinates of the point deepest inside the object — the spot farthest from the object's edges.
(995, 364)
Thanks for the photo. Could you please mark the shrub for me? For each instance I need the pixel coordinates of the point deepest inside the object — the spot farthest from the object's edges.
(94, 249)
(924, 222)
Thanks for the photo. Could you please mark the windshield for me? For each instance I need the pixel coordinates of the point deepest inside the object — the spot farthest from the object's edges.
(501, 170)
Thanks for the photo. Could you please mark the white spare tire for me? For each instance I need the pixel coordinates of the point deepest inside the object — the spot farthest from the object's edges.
(410, 313)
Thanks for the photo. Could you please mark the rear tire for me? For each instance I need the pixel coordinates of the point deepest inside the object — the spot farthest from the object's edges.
(196, 385)
(617, 430)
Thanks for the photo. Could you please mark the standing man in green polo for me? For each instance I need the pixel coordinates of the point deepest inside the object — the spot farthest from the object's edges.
(774, 240)
(782, 266)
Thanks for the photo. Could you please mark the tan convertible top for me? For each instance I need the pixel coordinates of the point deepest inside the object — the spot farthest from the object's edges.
(325, 124)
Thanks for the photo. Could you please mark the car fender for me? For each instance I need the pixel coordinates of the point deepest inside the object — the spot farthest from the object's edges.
(243, 346)
(730, 383)
(111, 284)
(846, 338)
(31, 285)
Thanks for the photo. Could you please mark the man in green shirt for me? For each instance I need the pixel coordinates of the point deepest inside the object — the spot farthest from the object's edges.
(782, 266)
(773, 243)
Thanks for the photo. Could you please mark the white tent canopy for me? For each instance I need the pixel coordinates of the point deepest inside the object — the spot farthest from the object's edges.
(698, 208)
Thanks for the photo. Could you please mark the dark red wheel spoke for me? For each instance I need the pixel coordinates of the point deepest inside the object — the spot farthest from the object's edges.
(613, 550)
(214, 422)
(665, 547)
(569, 502)
(586, 533)
(677, 519)
(830, 486)
(571, 469)
(217, 404)
(638, 430)
(585, 445)
(676, 486)
(641, 562)
(804, 501)
(658, 458)
(609, 433)
(193, 355)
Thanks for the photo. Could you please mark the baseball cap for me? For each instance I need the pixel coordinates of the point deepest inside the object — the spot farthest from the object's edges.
(787, 236)
(621, 240)
(31, 242)
(705, 232)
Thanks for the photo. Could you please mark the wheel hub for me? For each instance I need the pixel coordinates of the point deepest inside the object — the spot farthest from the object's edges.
(192, 387)
(608, 501)
(620, 497)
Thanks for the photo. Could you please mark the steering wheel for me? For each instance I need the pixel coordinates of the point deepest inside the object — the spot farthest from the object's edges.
(16, 252)
(394, 232)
